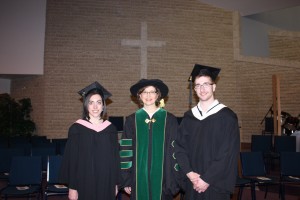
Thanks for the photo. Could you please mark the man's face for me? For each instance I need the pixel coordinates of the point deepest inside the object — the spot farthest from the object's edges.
(204, 88)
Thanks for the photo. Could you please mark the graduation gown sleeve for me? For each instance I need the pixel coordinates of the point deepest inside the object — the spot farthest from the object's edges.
(69, 163)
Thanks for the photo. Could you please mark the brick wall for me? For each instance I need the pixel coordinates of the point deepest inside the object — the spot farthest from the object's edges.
(83, 44)
(290, 41)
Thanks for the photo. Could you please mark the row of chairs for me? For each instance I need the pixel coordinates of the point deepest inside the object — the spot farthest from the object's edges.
(34, 141)
(6, 155)
(254, 172)
(25, 178)
(119, 121)
(7, 140)
(270, 143)
(271, 147)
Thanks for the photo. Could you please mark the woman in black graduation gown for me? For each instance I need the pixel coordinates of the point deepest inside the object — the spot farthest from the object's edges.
(90, 164)
(148, 168)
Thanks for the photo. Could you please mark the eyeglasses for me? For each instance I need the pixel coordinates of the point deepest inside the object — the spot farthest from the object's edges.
(204, 85)
(150, 92)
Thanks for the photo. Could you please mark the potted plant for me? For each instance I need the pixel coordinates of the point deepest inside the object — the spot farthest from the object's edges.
(15, 117)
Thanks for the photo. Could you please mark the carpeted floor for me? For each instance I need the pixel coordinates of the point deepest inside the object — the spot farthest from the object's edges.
(292, 193)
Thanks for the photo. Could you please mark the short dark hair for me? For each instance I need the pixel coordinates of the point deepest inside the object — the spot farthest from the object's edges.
(86, 99)
(157, 102)
(206, 73)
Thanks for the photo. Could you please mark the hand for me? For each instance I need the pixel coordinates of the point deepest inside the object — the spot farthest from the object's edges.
(201, 186)
(127, 190)
(193, 176)
(73, 194)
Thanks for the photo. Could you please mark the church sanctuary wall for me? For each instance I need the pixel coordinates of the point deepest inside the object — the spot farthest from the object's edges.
(287, 39)
(255, 78)
(88, 41)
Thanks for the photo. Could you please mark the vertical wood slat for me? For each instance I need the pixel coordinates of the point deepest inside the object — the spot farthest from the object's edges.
(276, 104)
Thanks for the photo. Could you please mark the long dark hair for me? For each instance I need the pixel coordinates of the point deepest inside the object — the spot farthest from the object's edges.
(86, 99)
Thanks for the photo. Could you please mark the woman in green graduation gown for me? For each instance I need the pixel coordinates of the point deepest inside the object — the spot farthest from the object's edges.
(148, 165)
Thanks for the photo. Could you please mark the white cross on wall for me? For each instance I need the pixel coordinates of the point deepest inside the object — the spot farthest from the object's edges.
(143, 43)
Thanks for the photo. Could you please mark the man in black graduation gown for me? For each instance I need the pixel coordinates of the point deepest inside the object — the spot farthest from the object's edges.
(208, 145)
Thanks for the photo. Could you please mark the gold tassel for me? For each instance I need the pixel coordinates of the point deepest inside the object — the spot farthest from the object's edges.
(162, 103)
(150, 120)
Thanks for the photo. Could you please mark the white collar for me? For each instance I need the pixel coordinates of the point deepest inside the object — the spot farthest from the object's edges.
(212, 109)
(151, 114)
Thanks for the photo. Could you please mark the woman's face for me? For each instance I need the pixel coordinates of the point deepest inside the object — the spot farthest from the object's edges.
(95, 106)
(149, 96)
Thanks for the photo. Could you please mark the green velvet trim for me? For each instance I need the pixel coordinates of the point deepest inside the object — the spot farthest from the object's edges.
(126, 142)
(176, 167)
(126, 165)
(142, 147)
(126, 153)
(142, 141)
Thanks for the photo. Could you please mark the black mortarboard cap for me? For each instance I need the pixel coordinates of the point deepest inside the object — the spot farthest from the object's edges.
(204, 70)
(212, 72)
(147, 82)
(95, 86)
